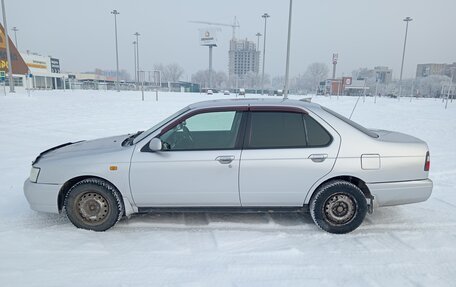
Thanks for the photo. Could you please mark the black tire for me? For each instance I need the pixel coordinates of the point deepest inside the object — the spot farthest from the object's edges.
(338, 207)
(94, 204)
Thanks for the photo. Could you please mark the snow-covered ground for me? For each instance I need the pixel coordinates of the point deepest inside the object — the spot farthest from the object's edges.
(412, 245)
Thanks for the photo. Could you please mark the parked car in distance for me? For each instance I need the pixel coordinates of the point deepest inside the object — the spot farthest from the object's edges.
(241, 92)
(235, 156)
(226, 93)
(210, 92)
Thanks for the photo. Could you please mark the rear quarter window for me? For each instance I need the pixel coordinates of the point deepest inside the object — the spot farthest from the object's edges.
(316, 135)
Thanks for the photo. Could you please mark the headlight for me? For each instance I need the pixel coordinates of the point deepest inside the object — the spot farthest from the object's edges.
(34, 172)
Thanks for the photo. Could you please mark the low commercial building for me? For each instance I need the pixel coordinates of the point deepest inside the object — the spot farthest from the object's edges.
(30, 70)
(426, 70)
(44, 72)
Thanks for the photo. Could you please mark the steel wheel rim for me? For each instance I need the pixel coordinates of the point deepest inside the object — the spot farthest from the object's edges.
(340, 208)
(92, 208)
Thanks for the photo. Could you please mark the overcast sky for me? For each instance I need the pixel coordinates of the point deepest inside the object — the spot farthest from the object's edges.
(364, 33)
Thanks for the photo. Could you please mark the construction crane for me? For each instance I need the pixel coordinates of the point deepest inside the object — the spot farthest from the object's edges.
(233, 26)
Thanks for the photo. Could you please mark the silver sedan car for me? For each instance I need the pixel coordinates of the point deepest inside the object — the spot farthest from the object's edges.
(235, 156)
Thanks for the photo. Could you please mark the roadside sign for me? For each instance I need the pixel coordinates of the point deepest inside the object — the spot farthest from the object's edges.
(2, 76)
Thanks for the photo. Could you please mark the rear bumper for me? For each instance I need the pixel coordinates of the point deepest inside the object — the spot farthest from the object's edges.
(402, 192)
(42, 197)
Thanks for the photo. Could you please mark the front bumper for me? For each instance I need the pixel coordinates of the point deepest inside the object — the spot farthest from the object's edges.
(42, 197)
(402, 192)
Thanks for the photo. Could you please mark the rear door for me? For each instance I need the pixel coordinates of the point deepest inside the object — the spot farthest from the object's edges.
(285, 153)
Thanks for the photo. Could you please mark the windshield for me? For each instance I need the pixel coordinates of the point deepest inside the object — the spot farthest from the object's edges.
(155, 127)
(352, 123)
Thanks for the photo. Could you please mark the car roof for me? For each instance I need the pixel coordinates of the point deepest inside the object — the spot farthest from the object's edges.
(249, 102)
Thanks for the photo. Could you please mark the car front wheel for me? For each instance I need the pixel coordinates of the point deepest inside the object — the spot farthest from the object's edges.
(94, 204)
(338, 207)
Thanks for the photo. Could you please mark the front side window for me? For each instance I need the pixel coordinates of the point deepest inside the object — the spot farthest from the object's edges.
(205, 131)
(285, 130)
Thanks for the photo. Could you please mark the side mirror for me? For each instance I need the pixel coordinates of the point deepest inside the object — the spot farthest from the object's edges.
(155, 144)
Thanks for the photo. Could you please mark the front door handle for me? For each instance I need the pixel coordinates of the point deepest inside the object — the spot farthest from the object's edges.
(318, 157)
(225, 159)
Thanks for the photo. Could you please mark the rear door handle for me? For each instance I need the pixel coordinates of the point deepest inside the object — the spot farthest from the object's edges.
(318, 157)
(225, 159)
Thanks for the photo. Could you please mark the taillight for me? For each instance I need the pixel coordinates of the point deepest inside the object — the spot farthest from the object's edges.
(427, 163)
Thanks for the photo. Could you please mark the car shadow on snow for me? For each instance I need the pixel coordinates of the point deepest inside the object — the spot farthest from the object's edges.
(203, 220)
(384, 218)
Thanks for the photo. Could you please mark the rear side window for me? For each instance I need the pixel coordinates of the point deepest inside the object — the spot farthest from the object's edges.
(316, 135)
(285, 130)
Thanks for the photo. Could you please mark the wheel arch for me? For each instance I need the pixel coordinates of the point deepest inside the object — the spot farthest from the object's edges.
(71, 182)
(349, 178)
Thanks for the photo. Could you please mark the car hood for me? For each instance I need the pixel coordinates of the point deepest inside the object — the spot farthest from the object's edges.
(98, 146)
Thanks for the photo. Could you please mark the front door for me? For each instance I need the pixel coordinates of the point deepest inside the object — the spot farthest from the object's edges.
(198, 165)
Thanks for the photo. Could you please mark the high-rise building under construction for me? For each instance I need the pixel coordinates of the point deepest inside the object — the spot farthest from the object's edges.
(243, 58)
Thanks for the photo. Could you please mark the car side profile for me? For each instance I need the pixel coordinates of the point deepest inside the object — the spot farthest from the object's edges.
(235, 156)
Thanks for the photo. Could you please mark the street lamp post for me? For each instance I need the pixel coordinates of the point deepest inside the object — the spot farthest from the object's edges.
(137, 55)
(115, 13)
(287, 69)
(134, 52)
(258, 40)
(15, 29)
(265, 16)
(8, 53)
(407, 20)
(258, 35)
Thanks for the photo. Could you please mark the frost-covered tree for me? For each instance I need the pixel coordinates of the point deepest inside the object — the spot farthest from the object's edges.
(431, 86)
(315, 73)
(219, 79)
(174, 72)
(278, 82)
(169, 73)
(201, 77)
(252, 80)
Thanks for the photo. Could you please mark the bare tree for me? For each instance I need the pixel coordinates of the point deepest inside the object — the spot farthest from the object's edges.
(220, 80)
(201, 77)
(252, 80)
(174, 72)
(315, 73)
(170, 73)
(277, 82)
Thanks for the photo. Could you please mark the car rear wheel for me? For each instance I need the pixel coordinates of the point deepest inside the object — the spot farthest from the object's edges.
(338, 207)
(94, 204)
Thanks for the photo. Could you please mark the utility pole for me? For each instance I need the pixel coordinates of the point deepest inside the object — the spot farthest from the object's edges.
(413, 87)
(137, 55)
(449, 89)
(15, 36)
(287, 69)
(115, 13)
(407, 20)
(136, 71)
(8, 53)
(265, 16)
